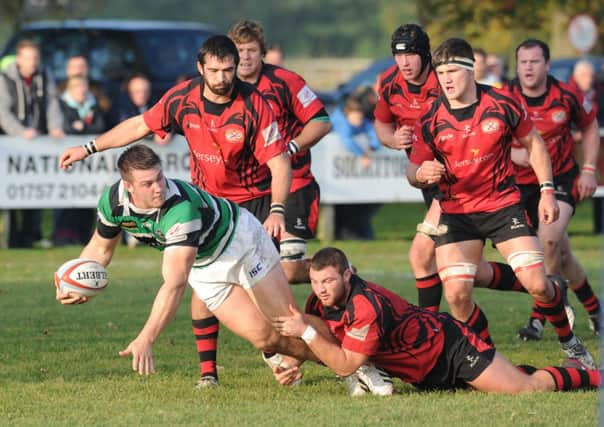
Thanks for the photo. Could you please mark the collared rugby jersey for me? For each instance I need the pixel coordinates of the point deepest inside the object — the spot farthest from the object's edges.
(229, 143)
(474, 145)
(188, 217)
(553, 114)
(401, 102)
(294, 104)
(399, 337)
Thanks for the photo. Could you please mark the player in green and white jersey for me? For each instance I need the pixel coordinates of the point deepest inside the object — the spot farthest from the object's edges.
(222, 251)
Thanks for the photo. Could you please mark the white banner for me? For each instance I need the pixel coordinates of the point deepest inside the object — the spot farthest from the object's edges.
(343, 179)
(30, 176)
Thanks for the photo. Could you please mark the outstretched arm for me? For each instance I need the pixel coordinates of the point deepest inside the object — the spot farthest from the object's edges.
(176, 266)
(121, 135)
(99, 249)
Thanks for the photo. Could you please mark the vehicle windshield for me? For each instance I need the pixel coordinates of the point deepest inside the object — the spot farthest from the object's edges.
(116, 54)
(170, 53)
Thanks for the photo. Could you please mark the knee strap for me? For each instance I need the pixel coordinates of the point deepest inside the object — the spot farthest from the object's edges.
(292, 249)
(524, 260)
(429, 230)
(459, 272)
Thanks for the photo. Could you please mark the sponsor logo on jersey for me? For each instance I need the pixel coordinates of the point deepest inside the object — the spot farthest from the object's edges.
(233, 135)
(558, 116)
(271, 134)
(475, 160)
(415, 105)
(213, 159)
(306, 96)
(358, 334)
(446, 137)
(129, 224)
(191, 125)
(490, 126)
(536, 116)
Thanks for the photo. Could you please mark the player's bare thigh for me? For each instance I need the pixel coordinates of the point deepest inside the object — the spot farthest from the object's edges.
(503, 377)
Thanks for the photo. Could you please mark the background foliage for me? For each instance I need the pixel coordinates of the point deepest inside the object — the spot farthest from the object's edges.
(337, 28)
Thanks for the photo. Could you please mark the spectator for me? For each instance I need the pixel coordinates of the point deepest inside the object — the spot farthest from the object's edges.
(81, 111)
(496, 70)
(584, 81)
(138, 88)
(481, 71)
(77, 65)
(82, 116)
(274, 55)
(28, 108)
(353, 221)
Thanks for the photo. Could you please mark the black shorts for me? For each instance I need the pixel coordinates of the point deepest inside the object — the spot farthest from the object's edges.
(301, 212)
(499, 226)
(564, 185)
(464, 357)
(429, 194)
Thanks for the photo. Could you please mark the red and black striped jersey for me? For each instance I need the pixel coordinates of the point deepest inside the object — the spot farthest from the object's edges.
(399, 337)
(294, 104)
(474, 144)
(401, 102)
(230, 143)
(553, 114)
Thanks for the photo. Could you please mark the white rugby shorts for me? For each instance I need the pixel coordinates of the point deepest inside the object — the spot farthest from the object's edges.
(250, 256)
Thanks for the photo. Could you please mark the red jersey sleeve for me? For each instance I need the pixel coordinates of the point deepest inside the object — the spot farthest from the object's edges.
(268, 142)
(158, 118)
(520, 121)
(304, 102)
(382, 110)
(362, 335)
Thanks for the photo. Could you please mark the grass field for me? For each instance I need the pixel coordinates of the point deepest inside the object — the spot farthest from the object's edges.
(59, 365)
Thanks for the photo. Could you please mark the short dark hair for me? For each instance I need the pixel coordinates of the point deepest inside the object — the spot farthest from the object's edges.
(529, 43)
(219, 46)
(330, 257)
(26, 43)
(137, 157)
(451, 48)
(247, 32)
(478, 51)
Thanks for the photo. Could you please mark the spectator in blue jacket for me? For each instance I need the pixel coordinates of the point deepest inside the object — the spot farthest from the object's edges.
(353, 221)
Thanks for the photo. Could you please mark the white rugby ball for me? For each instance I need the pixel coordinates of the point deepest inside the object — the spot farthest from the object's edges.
(81, 276)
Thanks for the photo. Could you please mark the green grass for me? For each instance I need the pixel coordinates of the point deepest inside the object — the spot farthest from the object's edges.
(59, 365)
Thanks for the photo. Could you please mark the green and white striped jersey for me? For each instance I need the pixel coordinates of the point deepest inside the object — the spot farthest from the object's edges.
(188, 217)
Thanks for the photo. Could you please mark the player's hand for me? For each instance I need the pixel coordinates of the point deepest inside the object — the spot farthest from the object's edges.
(586, 185)
(520, 157)
(548, 208)
(141, 351)
(430, 172)
(57, 133)
(292, 325)
(72, 155)
(275, 225)
(30, 133)
(70, 298)
(403, 138)
(287, 376)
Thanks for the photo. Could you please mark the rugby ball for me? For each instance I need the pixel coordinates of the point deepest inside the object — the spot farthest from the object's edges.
(81, 276)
